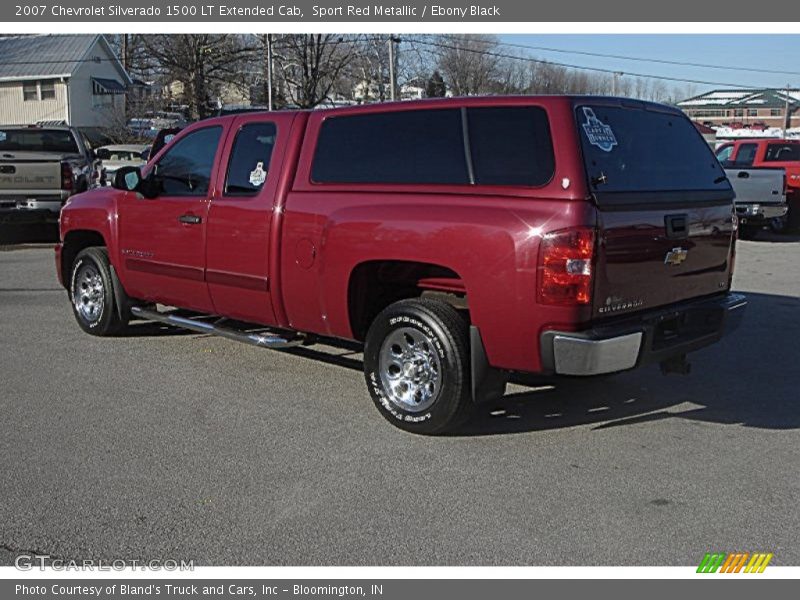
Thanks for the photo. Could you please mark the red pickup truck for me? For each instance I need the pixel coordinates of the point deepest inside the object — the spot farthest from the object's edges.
(769, 153)
(460, 240)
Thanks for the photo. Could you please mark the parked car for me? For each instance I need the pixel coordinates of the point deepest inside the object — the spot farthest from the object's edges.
(120, 155)
(760, 197)
(459, 240)
(770, 152)
(40, 167)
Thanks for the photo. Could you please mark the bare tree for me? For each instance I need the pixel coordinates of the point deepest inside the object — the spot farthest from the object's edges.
(311, 65)
(468, 64)
(202, 63)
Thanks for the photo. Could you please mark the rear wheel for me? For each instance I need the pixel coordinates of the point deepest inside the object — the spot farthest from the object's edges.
(92, 294)
(416, 363)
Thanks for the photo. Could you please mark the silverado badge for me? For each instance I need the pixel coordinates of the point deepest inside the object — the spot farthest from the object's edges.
(676, 256)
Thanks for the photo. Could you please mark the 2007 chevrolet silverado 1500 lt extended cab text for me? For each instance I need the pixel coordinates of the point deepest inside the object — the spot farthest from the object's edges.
(460, 240)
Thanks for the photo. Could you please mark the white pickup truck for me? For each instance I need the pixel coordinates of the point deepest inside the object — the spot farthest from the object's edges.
(40, 167)
(760, 197)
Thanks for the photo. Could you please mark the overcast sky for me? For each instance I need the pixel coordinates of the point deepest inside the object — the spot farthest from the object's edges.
(774, 52)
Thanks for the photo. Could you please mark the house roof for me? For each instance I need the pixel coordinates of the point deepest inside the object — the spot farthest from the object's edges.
(50, 56)
(764, 98)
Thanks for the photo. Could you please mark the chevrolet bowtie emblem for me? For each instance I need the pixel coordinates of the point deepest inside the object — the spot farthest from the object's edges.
(676, 256)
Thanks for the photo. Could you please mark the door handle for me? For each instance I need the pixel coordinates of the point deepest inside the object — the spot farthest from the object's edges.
(190, 219)
(744, 175)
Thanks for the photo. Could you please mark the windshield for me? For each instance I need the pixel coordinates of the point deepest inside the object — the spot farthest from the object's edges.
(38, 140)
(636, 150)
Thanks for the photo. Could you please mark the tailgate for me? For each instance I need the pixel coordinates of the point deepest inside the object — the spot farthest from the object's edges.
(21, 176)
(664, 207)
(653, 257)
(762, 185)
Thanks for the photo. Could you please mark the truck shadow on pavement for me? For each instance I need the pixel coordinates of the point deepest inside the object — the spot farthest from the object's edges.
(775, 238)
(28, 233)
(749, 379)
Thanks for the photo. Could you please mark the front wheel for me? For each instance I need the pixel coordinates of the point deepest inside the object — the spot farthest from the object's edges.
(92, 294)
(416, 363)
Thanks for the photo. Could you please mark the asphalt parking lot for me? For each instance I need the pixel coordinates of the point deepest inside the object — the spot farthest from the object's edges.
(173, 445)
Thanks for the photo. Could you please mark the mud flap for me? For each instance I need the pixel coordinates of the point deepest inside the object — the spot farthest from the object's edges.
(488, 383)
(123, 303)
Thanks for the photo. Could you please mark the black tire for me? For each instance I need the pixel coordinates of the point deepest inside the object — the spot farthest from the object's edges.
(441, 337)
(98, 314)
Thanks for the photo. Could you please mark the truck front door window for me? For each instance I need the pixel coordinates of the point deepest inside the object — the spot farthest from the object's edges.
(185, 169)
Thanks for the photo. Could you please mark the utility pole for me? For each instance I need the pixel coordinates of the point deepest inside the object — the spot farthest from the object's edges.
(392, 68)
(124, 52)
(786, 117)
(269, 71)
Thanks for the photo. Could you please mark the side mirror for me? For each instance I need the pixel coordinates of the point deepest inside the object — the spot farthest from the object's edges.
(128, 179)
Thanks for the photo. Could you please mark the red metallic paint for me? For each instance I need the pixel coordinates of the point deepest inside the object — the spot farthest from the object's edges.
(286, 256)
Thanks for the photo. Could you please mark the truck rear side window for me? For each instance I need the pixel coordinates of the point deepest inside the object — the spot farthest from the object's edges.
(505, 146)
(637, 150)
(745, 156)
(249, 161)
(510, 146)
(402, 147)
(782, 153)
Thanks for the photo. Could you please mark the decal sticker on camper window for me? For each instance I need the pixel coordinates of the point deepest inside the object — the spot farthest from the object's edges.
(598, 133)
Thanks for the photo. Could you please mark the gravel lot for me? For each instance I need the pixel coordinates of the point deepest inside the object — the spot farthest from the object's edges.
(174, 445)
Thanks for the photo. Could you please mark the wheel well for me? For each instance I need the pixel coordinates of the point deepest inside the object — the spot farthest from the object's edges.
(74, 242)
(374, 285)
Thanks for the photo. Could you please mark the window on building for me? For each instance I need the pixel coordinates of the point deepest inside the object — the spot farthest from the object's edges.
(775, 112)
(752, 112)
(739, 112)
(47, 90)
(29, 91)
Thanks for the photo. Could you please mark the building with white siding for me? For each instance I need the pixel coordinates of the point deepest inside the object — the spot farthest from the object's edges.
(73, 79)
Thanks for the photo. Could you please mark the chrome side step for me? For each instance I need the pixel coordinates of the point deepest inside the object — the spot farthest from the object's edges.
(262, 340)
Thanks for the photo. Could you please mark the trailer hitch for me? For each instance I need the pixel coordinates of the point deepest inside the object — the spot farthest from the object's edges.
(676, 365)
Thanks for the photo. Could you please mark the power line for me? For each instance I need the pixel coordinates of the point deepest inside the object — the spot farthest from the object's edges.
(636, 58)
(580, 67)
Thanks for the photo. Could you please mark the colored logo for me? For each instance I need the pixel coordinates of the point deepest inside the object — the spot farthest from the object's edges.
(734, 562)
(598, 133)
(676, 256)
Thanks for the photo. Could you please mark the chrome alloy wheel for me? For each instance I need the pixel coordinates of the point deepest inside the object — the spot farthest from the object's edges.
(410, 369)
(88, 293)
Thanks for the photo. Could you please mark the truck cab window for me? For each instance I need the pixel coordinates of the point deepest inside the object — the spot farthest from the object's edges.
(745, 156)
(724, 153)
(185, 169)
(249, 161)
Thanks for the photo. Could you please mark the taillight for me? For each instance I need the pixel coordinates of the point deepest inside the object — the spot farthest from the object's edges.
(565, 266)
(67, 178)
